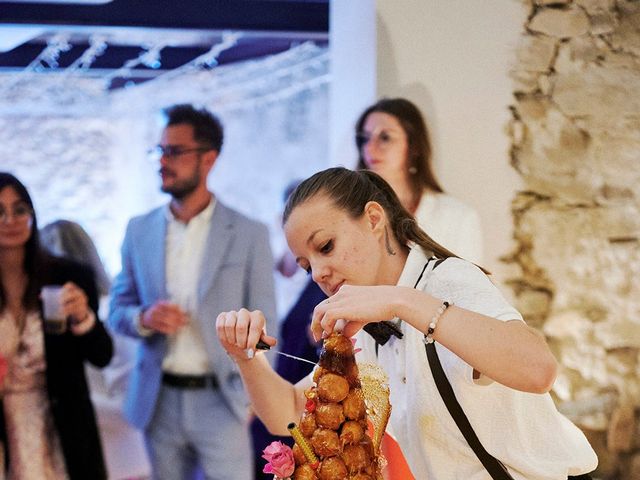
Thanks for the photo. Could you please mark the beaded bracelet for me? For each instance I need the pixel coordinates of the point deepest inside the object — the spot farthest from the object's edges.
(428, 338)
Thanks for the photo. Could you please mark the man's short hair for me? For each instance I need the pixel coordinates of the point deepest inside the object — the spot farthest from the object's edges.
(207, 128)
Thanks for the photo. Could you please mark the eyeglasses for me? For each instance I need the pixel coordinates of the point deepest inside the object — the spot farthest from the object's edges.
(20, 213)
(382, 139)
(172, 152)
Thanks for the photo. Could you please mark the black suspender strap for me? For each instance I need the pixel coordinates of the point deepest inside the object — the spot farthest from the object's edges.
(493, 466)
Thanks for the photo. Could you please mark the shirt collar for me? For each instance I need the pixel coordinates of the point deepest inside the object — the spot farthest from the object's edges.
(413, 266)
(203, 217)
(412, 271)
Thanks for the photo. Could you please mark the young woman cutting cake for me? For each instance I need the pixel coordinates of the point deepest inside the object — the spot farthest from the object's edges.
(379, 269)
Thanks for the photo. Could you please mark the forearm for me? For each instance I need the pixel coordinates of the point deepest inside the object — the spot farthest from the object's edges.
(125, 307)
(124, 319)
(97, 345)
(275, 400)
(508, 352)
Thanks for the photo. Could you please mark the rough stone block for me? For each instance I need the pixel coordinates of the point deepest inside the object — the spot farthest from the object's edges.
(603, 22)
(524, 81)
(634, 466)
(560, 23)
(533, 302)
(621, 429)
(536, 53)
(596, 6)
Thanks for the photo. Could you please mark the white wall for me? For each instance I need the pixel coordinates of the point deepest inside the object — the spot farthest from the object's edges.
(352, 42)
(452, 58)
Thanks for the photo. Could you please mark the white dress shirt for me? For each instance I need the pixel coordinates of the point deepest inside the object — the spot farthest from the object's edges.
(184, 251)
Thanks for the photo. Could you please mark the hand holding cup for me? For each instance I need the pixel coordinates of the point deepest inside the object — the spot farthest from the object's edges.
(55, 321)
(62, 305)
(164, 317)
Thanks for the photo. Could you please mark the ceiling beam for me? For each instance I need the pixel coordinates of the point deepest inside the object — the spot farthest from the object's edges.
(261, 15)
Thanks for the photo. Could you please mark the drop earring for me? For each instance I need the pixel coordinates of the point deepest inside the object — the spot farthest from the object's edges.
(387, 243)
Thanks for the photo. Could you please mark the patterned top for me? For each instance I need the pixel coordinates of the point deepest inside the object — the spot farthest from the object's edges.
(34, 447)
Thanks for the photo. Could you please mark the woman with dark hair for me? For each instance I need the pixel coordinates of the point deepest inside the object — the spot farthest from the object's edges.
(393, 140)
(349, 230)
(47, 422)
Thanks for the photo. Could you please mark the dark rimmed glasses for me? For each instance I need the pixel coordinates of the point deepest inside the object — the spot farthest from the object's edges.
(382, 139)
(20, 213)
(172, 152)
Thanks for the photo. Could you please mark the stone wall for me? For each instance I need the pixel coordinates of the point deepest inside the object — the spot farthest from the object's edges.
(575, 133)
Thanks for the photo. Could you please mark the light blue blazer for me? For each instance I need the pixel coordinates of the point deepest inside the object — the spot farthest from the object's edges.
(236, 271)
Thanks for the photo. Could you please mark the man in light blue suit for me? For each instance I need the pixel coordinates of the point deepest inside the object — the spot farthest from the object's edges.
(183, 264)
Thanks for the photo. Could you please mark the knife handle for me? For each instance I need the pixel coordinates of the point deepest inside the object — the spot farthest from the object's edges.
(261, 345)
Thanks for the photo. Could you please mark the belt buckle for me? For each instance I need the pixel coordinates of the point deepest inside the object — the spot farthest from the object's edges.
(196, 382)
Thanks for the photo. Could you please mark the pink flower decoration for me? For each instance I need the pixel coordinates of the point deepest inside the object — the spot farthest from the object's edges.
(280, 460)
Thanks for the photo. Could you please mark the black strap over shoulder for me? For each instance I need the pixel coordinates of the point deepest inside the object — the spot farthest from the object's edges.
(496, 469)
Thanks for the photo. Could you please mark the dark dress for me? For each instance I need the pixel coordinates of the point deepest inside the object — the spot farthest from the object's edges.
(66, 385)
(295, 340)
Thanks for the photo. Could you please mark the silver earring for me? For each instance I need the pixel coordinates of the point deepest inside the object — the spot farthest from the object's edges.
(387, 243)
(413, 170)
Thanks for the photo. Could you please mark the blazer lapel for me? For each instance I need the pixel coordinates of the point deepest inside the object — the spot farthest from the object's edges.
(218, 241)
(152, 246)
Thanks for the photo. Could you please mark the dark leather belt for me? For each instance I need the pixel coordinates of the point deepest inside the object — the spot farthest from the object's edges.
(190, 381)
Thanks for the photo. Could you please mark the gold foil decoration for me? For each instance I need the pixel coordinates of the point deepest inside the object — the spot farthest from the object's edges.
(376, 396)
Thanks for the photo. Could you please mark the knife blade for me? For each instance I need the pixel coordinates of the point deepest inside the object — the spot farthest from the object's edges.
(264, 346)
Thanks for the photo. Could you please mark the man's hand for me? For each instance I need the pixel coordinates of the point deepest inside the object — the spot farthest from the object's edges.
(164, 317)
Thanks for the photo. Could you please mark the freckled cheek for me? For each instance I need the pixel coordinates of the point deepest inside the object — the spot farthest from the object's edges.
(355, 257)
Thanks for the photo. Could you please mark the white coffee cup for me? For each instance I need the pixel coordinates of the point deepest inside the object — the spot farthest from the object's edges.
(55, 321)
